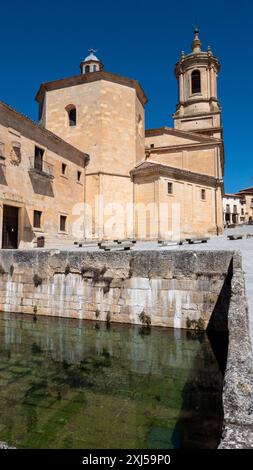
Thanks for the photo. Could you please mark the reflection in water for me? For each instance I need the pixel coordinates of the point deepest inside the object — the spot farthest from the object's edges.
(76, 384)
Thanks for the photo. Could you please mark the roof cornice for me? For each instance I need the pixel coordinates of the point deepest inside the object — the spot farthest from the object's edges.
(170, 148)
(88, 78)
(157, 169)
(192, 59)
(180, 133)
(245, 192)
(43, 131)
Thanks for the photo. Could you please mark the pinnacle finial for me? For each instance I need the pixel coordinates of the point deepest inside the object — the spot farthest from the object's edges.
(196, 43)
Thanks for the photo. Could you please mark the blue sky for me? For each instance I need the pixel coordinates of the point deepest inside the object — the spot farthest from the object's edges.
(43, 41)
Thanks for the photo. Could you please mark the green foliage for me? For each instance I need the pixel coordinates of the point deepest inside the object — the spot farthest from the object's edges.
(108, 318)
(67, 270)
(37, 280)
(97, 312)
(197, 325)
(145, 319)
(36, 349)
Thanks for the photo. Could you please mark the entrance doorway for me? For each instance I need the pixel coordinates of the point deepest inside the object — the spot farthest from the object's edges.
(10, 227)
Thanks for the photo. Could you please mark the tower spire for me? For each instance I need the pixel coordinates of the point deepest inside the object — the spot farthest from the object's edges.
(91, 63)
(198, 107)
(196, 43)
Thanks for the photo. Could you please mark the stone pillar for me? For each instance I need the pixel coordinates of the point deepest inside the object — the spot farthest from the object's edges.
(181, 88)
(212, 84)
(208, 83)
(99, 209)
(21, 228)
(155, 230)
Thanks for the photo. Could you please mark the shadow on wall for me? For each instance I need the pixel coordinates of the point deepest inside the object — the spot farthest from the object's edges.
(28, 233)
(199, 425)
(203, 392)
(217, 329)
(43, 187)
(2, 175)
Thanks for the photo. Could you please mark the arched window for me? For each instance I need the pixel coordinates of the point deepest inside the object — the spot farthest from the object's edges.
(87, 69)
(71, 110)
(196, 81)
(94, 68)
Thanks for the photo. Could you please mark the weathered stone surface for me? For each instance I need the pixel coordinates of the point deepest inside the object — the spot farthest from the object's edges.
(238, 383)
(237, 437)
(3, 445)
(174, 289)
(181, 289)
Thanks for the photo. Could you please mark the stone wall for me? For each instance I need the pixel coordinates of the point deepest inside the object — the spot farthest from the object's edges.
(31, 191)
(107, 128)
(177, 289)
(187, 152)
(177, 215)
(238, 383)
(172, 289)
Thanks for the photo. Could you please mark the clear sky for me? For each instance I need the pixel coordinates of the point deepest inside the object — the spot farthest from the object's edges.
(141, 39)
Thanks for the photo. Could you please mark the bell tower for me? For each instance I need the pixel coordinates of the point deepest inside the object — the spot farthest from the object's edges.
(91, 63)
(198, 109)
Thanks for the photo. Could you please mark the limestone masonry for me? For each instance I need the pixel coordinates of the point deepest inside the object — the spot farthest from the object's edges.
(90, 170)
(170, 289)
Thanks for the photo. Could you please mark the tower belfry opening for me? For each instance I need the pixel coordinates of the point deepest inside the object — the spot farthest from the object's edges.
(198, 108)
(91, 63)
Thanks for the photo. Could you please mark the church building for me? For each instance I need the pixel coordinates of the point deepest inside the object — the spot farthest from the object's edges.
(90, 170)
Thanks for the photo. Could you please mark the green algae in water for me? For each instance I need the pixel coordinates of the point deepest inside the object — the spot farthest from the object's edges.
(68, 384)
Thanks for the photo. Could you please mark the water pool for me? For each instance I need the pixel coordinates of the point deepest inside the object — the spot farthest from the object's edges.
(76, 384)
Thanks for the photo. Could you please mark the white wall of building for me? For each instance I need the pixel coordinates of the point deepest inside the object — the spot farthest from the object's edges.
(233, 210)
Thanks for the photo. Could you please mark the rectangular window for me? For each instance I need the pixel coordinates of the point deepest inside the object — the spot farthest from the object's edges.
(63, 169)
(79, 174)
(63, 220)
(38, 158)
(37, 219)
(152, 146)
(170, 188)
(203, 194)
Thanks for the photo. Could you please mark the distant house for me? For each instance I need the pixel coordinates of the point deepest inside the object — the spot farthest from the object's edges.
(233, 210)
(246, 197)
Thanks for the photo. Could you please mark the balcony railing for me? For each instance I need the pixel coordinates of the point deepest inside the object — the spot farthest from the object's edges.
(41, 167)
(231, 211)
